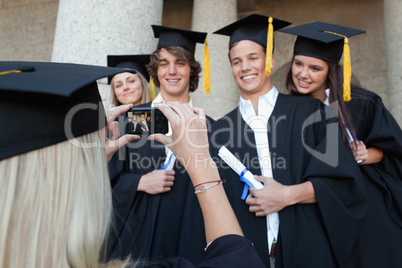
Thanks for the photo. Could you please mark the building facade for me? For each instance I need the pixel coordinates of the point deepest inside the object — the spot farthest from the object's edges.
(83, 31)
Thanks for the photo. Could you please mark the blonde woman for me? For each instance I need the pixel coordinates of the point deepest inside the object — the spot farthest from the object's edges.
(55, 202)
(129, 88)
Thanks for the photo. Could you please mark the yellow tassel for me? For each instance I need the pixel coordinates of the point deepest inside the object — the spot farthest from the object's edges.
(270, 44)
(10, 72)
(152, 88)
(347, 67)
(207, 72)
(347, 71)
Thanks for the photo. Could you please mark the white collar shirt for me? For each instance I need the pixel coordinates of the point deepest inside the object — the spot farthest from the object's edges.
(259, 124)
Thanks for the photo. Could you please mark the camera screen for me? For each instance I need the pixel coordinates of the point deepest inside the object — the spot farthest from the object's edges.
(146, 121)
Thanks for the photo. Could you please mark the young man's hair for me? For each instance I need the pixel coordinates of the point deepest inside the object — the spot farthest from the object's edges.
(182, 54)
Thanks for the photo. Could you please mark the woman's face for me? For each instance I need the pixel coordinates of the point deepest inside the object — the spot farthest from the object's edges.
(310, 76)
(127, 88)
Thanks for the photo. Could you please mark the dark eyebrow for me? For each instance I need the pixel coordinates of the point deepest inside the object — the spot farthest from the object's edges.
(253, 53)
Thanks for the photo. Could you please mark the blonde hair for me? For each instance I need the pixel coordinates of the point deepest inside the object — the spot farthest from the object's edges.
(146, 95)
(55, 206)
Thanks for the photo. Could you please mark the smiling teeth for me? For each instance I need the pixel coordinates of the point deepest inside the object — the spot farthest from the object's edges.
(248, 77)
(304, 83)
(173, 80)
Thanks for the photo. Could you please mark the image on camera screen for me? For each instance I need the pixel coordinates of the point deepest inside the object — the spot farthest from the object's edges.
(146, 122)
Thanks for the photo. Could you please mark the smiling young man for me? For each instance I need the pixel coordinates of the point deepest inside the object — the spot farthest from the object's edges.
(157, 212)
(308, 213)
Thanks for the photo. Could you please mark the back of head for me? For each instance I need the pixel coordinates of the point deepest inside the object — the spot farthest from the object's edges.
(55, 206)
(55, 200)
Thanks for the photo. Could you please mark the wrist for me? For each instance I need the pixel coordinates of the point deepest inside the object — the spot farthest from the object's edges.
(302, 193)
(140, 186)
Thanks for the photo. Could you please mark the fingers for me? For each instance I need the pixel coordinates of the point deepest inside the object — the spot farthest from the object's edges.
(170, 172)
(113, 145)
(250, 200)
(114, 129)
(126, 139)
(167, 110)
(114, 112)
(261, 178)
(201, 113)
(160, 138)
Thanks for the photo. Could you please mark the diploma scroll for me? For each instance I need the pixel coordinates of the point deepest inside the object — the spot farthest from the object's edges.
(245, 175)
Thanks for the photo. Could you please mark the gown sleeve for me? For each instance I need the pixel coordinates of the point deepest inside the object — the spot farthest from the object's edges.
(376, 127)
(226, 251)
(125, 198)
(339, 189)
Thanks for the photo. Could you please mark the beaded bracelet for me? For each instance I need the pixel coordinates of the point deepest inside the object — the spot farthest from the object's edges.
(203, 189)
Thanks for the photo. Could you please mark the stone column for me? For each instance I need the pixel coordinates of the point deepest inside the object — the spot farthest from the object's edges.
(393, 39)
(209, 16)
(88, 31)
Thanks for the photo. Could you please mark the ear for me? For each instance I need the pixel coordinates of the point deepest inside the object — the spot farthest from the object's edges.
(273, 62)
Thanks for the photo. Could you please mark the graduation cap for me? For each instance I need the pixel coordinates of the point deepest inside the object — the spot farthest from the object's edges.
(42, 104)
(186, 39)
(257, 28)
(327, 42)
(169, 36)
(135, 62)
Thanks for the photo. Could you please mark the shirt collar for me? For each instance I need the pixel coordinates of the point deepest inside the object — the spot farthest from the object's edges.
(269, 98)
(159, 99)
(326, 102)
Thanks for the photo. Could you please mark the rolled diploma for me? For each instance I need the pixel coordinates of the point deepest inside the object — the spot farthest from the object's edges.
(238, 167)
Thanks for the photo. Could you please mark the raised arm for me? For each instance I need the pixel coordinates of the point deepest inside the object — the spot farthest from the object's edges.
(189, 142)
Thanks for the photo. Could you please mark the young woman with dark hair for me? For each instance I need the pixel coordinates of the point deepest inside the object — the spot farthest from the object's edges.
(373, 134)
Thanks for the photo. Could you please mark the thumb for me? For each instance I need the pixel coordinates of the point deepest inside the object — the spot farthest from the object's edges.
(262, 179)
(160, 138)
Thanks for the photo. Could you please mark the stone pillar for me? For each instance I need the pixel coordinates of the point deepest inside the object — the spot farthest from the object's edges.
(393, 37)
(209, 16)
(88, 31)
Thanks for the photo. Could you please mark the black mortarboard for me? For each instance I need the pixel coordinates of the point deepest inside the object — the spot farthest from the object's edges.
(257, 28)
(178, 37)
(253, 27)
(42, 104)
(321, 40)
(135, 62)
(327, 42)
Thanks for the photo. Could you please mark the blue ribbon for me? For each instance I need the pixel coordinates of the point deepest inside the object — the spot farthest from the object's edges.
(167, 164)
(243, 179)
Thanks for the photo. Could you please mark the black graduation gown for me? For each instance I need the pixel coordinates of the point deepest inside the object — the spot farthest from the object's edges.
(226, 251)
(131, 129)
(153, 226)
(310, 235)
(380, 239)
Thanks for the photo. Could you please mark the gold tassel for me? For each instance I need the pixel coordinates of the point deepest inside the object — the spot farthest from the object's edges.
(270, 44)
(10, 72)
(347, 67)
(347, 71)
(207, 72)
(152, 88)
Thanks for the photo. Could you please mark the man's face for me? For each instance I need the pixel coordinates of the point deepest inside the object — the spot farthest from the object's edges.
(173, 74)
(247, 59)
